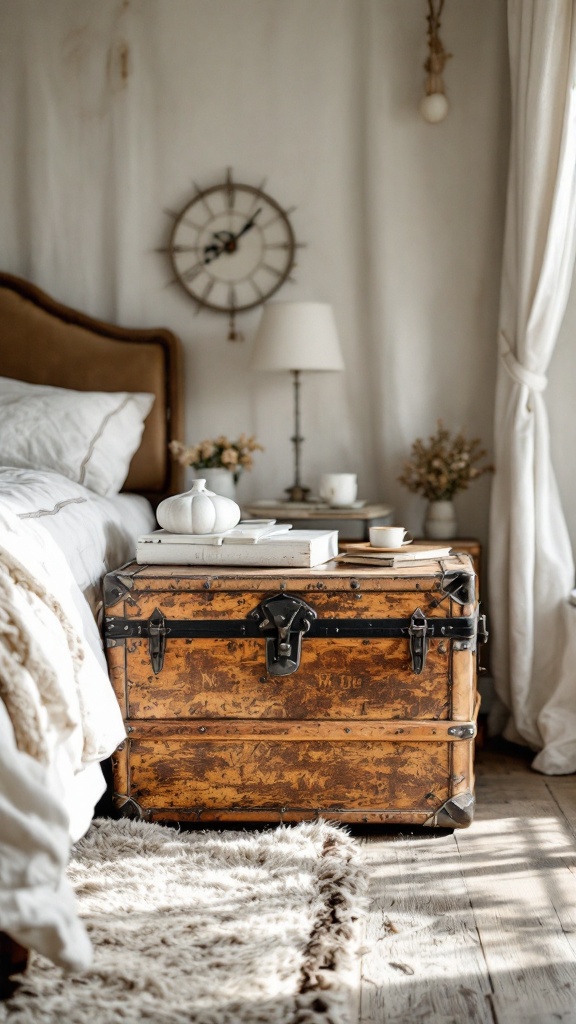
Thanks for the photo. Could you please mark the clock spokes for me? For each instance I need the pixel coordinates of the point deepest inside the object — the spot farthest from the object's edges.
(178, 248)
(193, 271)
(208, 288)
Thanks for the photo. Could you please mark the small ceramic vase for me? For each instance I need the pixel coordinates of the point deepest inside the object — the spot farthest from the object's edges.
(440, 522)
(219, 480)
(198, 511)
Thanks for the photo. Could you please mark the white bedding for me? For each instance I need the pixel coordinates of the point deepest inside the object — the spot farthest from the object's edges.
(87, 436)
(56, 541)
(96, 534)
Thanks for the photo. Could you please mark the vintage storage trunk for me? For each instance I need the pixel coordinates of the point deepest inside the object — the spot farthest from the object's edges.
(279, 695)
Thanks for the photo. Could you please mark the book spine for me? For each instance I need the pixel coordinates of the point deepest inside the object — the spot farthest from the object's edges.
(290, 556)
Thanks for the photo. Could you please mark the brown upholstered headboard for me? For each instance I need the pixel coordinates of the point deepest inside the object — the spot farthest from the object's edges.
(45, 342)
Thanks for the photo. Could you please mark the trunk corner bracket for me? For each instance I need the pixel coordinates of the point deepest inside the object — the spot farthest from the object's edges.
(115, 587)
(458, 585)
(456, 812)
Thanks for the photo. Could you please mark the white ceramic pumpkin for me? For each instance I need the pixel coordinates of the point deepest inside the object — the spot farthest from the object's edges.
(198, 511)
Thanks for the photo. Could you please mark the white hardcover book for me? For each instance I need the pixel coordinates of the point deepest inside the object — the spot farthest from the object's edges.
(289, 549)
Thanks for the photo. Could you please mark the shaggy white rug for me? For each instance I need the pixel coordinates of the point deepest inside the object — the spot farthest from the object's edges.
(206, 928)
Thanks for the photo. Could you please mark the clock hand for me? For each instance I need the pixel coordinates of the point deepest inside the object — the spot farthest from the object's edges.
(226, 240)
(212, 252)
(249, 224)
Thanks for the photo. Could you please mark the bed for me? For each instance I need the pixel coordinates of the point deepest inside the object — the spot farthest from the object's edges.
(81, 471)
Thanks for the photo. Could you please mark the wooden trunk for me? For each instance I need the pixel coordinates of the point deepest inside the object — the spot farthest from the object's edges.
(365, 713)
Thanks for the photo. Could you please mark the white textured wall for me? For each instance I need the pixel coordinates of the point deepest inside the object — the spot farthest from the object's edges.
(402, 220)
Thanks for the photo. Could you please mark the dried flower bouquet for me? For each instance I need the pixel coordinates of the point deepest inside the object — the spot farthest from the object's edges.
(221, 453)
(444, 465)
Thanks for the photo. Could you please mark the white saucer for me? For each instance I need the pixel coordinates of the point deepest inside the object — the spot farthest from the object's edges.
(312, 504)
(321, 505)
(355, 504)
(371, 547)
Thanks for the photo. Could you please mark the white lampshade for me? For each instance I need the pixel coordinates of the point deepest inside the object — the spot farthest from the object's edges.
(297, 336)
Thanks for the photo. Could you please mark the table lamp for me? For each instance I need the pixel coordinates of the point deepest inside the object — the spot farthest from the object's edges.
(297, 336)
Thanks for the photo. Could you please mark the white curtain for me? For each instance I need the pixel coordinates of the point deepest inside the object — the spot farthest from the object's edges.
(531, 562)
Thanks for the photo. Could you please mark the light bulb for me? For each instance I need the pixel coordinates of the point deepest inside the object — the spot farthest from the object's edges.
(434, 107)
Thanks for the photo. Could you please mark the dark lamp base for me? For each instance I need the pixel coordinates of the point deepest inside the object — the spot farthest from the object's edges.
(297, 493)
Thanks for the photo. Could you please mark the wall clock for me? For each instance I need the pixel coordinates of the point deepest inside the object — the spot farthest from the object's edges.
(231, 248)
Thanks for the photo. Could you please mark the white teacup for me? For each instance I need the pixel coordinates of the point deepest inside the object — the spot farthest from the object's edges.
(338, 489)
(389, 536)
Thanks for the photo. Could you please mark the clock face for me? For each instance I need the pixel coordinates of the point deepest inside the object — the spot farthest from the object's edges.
(231, 247)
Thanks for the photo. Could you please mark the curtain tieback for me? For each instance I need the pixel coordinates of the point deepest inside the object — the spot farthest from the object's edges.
(519, 373)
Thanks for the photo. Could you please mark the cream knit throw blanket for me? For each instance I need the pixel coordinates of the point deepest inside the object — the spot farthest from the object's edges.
(58, 714)
(36, 641)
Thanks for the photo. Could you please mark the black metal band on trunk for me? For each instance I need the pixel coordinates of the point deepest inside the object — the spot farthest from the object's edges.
(463, 628)
(283, 620)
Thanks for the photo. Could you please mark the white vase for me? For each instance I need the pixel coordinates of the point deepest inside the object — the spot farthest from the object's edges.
(198, 511)
(440, 522)
(219, 480)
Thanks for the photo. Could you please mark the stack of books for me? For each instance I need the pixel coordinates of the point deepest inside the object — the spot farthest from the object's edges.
(252, 542)
(413, 554)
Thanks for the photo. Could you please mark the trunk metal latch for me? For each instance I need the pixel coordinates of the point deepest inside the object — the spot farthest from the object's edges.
(418, 633)
(288, 618)
(157, 632)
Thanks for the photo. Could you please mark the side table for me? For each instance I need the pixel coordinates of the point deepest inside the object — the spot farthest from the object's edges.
(352, 523)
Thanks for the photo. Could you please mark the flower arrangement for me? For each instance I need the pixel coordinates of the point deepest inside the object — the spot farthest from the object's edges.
(444, 465)
(220, 453)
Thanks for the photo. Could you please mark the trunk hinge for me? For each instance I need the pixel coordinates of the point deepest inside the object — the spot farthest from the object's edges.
(289, 618)
(418, 633)
(157, 640)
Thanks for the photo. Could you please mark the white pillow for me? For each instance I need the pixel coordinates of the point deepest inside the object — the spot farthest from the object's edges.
(87, 436)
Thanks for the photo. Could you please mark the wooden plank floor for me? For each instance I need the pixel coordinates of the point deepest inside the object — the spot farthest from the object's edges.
(478, 925)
